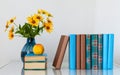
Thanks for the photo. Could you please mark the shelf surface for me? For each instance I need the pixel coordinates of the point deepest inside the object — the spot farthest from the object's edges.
(16, 68)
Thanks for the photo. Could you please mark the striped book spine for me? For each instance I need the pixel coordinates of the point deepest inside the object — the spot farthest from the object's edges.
(88, 52)
(94, 51)
(110, 51)
(100, 50)
(72, 52)
(105, 51)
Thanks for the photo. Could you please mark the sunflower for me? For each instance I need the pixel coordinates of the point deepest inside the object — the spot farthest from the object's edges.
(33, 22)
(48, 27)
(37, 17)
(12, 20)
(12, 29)
(39, 11)
(49, 21)
(7, 25)
(10, 35)
(46, 13)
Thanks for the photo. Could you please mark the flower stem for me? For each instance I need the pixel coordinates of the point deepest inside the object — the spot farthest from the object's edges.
(16, 25)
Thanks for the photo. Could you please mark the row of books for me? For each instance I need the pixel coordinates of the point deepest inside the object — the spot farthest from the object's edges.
(35, 64)
(86, 51)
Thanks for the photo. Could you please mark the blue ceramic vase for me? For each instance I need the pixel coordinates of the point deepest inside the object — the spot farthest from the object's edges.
(27, 48)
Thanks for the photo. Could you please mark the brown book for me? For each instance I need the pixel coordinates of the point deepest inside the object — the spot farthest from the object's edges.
(83, 51)
(60, 52)
(78, 52)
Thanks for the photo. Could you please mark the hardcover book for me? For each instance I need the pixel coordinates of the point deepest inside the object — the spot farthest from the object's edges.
(110, 51)
(88, 52)
(94, 51)
(35, 72)
(78, 52)
(33, 57)
(105, 51)
(100, 51)
(83, 57)
(60, 52)
(72, 52)
(35, 65)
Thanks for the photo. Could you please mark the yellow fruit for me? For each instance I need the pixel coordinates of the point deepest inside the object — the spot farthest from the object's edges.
(38, 49)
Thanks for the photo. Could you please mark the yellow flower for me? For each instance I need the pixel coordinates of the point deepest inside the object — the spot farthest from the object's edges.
(39, 11)
(48, 27)
(49, 21)
(10, 35)
(33, 22)
(12, 20)
(37, 17)
(12, 29)
(46, 13)
(7, 25)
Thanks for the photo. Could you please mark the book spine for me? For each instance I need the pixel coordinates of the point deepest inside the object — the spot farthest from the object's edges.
(78, 50)
(88, 52)
(110, 51)
(105, 51)
(83, 56)
(72, 52)
(60, 52)
(100, 51)
(94, 51)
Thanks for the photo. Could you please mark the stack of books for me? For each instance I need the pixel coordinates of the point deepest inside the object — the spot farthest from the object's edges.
(86, 51)
(35, 64)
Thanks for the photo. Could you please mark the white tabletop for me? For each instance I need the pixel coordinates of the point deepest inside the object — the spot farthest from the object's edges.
(16, 68)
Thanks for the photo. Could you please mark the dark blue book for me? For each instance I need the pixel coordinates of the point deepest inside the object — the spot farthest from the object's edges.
(88, 52)
(110, 51)
(72, 52)
(94, 51)
(100, 51)
(105, 51)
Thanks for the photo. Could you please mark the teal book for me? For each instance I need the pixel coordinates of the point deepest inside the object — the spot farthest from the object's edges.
(100, 51)
(88, 52)
(94, 42)
(72, 52)
(32, 57)
(110, 51)
(105, 51)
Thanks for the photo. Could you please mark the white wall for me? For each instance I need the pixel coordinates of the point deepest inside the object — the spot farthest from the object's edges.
(70, 16)
(108, 21)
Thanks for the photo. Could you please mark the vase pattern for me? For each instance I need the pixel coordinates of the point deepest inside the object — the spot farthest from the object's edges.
(27, 48)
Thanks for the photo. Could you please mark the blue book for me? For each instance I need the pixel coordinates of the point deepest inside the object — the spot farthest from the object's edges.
(105, 51)
(94, 51)
(32, 54)
(88, 52)
(110, 51)
(72, 52)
